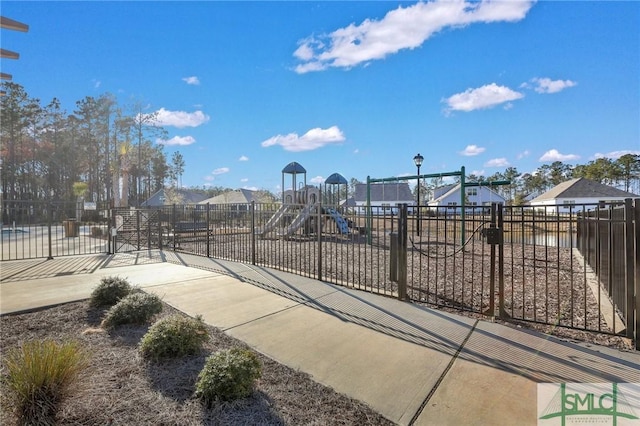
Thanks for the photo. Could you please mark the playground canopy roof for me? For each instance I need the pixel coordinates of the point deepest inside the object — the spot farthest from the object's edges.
(293, 168)
(335, 179)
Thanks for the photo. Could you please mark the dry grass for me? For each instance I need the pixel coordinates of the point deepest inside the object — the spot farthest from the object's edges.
(122, 388)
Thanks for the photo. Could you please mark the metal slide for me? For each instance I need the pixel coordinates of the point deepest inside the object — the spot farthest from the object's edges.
(298, 221)
(273, 221)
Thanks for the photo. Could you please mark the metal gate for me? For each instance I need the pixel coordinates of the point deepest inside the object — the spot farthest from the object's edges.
(136, 229)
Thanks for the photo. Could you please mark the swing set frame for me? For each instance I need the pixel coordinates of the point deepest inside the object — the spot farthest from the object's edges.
(463, 186)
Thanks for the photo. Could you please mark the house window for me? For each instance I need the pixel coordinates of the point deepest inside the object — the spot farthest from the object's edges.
(472, 191)
(568, 202)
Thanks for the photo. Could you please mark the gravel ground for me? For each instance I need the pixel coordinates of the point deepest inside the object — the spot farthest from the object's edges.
(120, 388)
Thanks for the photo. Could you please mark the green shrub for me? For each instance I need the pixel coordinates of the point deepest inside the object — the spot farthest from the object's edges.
(228, 375)
(174, 336)
(110, 291)
(136, 308)
(40, 375)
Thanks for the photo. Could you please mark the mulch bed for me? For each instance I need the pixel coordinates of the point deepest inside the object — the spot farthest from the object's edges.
(121, 388)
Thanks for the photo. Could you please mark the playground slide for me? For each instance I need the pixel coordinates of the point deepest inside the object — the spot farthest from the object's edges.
(299, 220)
(273, 221)
(341, 222)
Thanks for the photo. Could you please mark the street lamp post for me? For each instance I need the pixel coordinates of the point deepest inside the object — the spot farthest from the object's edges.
(418, 162)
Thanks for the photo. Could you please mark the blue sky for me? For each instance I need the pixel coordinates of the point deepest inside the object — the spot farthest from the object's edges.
(356, 88)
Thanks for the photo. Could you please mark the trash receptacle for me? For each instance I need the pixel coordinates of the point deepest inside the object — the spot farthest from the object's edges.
(71, 228)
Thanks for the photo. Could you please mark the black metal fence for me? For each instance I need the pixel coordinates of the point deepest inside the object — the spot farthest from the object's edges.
(47, 229)
(577, 268)
(609, 240)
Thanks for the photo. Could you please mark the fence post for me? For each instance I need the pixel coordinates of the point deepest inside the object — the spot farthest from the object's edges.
(209, 230)
(501, 311)
(629, 267)
(173, 226)
(402, 251)
(637, 273)
(137, 228)
(319, 220)
(252, 209)
(492, 267)
(160, 213)
(49, 220)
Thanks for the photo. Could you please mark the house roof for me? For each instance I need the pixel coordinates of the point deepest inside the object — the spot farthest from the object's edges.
(188, 197)
(583, 188)
(238, 196)
(384, 192)
(456, 188)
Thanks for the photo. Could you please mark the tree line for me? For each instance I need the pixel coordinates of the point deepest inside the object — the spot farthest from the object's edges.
(101, 151)
(104, 151)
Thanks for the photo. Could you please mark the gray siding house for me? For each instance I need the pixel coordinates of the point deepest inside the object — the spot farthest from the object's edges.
(387, 195)
(572, 194)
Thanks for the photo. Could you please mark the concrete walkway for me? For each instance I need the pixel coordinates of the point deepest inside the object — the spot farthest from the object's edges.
(412, 364)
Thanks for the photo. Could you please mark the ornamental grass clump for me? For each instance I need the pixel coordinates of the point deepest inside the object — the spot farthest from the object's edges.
(227, 375)
(137, 309)
(41, 374)
(174, 336)
(110, 291)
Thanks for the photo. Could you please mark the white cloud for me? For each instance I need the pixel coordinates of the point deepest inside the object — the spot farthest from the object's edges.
(221, 170)
(497, 162)
(546, 85)
(96, 83)
(483, 97)
(243, 180)
(614, 155)
(523, 154)
(478, 172)
(313, 139)
(472, 150)
(193, 80)
(250, 188)
(243, 158)
(402, 28)
(317, 180)
(179, 119)
(555, 155)
(177, 140)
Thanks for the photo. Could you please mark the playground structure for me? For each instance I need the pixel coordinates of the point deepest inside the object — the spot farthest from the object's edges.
(306, 206)
(309, 207)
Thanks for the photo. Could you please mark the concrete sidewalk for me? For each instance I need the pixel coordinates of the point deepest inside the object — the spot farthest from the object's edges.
(411, 364)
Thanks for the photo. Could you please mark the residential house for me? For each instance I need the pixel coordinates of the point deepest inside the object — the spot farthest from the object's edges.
(578, 194)
(450, 196)
(387, 195)
(239, 196)
(169, 196)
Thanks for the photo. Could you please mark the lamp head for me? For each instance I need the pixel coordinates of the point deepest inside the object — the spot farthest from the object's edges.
(418, 160)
